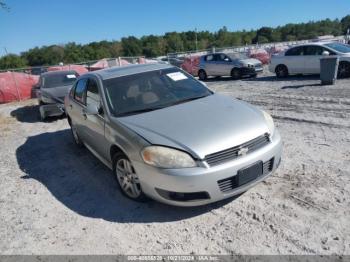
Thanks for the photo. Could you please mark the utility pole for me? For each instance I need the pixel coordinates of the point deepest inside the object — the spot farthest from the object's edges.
(196, 39)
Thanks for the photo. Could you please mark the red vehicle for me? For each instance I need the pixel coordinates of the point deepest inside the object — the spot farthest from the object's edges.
(16, 86)
(261, 54)
(191, 65)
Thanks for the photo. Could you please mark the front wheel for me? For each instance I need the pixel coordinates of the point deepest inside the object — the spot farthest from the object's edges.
(344, 70)
(127, 178)
(236, 73)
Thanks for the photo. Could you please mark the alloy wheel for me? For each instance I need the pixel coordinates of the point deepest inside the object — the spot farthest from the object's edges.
(127, 178)
(344, 70)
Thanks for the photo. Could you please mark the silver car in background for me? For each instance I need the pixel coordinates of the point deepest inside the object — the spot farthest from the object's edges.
(165, 135)
(235, 65)
(305, 59)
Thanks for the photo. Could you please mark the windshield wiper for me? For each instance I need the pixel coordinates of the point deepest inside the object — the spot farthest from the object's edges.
(187, 100)
(140, 111)
(160, 107)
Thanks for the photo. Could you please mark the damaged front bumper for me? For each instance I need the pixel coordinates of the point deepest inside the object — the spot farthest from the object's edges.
(51, 110)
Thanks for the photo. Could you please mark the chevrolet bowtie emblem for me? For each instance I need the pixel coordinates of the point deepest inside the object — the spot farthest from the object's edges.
(243, 151)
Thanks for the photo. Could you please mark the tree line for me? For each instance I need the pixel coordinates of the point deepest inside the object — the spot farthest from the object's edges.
(153, 46)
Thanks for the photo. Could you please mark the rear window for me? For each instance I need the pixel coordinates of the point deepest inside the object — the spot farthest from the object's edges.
(55, 80)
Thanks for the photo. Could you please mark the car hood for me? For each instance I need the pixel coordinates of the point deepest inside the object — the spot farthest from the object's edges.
(200, 127)
(56, 93)
(252, 61)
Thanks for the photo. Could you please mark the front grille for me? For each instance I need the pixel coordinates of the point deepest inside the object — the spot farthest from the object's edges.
(230, 183)
(234, 152)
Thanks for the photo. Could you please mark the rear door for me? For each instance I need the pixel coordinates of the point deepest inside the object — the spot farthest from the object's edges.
(295, 60)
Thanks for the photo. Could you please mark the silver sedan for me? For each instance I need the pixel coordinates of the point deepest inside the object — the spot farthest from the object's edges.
(166, 136)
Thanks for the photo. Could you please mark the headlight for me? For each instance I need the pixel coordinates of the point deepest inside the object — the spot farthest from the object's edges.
(269, 122)
(166, 157)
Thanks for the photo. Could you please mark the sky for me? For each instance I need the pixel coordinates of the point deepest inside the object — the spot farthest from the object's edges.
(44, 22)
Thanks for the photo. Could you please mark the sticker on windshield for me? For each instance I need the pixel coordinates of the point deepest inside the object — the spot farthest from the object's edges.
(177, 76)
(71, 76)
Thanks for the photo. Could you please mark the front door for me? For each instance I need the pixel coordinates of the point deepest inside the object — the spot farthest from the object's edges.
(94, 125)
(224, 65)
(312, 54)
(76, 105)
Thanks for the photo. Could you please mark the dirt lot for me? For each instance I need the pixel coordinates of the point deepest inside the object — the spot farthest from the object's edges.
(58, 199)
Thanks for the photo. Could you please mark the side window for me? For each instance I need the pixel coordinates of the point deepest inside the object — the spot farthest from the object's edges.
(92, 95)
(79, 92)
(209, 58)
(217, 57)
(226, 58)
(296, 51)
(313, 50)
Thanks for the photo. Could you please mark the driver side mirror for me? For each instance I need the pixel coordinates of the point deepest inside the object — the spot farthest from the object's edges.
(325, 53)
(92, 109)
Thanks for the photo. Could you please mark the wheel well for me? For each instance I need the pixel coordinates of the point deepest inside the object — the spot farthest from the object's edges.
(69, 120)
(201, 70)
(114, 150)
(280, 65)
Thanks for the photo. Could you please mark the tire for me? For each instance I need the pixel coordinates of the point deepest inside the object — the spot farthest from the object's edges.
(236, 73)
(75, 136)
(127, 178)
(281, 71)
(202, 75)
(344, 70)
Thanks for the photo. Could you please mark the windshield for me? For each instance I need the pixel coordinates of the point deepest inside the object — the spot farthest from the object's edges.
(238, 56)
(151, 90)
(55, 80)
(342, 48)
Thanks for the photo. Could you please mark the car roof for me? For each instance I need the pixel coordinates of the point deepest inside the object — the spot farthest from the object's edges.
(216, 53)
(114, 72)
(315, 43)
(59, 72)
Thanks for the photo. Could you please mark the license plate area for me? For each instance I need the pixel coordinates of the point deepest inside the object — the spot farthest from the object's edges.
(248, 174)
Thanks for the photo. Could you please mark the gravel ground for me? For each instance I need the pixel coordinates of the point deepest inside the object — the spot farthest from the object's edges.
(58, 199)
